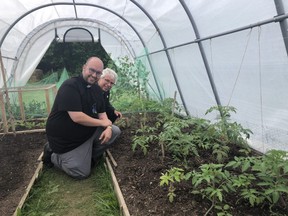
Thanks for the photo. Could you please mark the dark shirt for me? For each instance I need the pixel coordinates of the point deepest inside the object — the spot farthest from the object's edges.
(109, 108)
(75, 94)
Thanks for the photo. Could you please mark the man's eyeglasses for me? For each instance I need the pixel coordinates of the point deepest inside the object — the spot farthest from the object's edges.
(98, 73)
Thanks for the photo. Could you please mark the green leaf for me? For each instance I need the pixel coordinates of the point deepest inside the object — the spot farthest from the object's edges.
(220, 195)
(246, 166)
(282, 188)
(187, 176)
(275, 196)
(231, 164)
(226, 207)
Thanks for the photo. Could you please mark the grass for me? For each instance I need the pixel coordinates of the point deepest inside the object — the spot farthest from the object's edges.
(35, 103)
(30, 96)
(57, 194)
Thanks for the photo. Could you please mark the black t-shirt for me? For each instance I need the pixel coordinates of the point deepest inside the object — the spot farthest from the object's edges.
(109, 108)
(75, 94)
(108, 105)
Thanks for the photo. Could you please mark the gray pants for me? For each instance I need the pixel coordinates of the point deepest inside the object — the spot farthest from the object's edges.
(77, 163)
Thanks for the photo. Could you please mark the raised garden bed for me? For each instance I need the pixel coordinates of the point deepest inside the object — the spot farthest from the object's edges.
(139, 179)
(19, 160)
(138, 176)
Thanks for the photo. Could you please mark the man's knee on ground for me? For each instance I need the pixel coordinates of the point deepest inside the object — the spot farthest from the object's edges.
(78, 171)
(81, 176)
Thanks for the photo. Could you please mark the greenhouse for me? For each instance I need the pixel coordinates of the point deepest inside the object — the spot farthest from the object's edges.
(202, 53)
(209, 52)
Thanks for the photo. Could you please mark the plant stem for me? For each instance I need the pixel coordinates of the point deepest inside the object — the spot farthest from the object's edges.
(162, 150)
(211, 207)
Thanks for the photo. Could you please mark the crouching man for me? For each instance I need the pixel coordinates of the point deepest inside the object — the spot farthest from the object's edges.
(78, 130)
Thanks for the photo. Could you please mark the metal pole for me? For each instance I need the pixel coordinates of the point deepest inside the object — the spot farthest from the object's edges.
(283, 23)
(203, 54)
(167, 55)
(274, 19)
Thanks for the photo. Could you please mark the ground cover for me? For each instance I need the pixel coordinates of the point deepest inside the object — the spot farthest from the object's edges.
(55, 193)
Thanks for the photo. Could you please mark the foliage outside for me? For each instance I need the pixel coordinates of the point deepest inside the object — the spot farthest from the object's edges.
(71, 56)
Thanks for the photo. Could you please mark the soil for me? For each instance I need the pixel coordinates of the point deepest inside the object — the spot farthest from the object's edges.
(19, 160)
(138, 176)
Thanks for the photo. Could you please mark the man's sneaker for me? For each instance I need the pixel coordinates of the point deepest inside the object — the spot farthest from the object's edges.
(47, 156)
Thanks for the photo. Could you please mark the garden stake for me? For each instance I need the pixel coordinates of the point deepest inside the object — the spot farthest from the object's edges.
(11, 117)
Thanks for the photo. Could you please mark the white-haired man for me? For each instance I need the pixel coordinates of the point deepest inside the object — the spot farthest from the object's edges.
(107, 80)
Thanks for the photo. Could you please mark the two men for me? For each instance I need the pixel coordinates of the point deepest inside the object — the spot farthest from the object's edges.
(78, 129)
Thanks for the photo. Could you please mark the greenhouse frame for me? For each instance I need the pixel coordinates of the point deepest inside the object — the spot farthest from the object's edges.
(208, 53)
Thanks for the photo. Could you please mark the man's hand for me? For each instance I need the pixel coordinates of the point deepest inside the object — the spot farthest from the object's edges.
(117, 113)
(106, 122)
(106, 135)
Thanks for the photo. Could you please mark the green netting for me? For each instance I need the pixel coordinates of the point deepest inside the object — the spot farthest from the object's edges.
(63, 77)
(53, 78)
(37, 97)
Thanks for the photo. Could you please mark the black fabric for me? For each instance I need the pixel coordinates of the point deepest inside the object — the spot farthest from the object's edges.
(46, 158)
(111, 116)
(109, 108)
(75, 94)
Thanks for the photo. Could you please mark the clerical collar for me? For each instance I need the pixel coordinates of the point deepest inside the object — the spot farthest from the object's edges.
(88, 85)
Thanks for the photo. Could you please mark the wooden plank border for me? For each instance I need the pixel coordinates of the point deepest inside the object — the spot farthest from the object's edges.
(123, 207)
(26, 131)
(32, 181)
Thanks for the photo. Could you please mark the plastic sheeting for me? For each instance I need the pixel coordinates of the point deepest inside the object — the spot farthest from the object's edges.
(213, 57)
